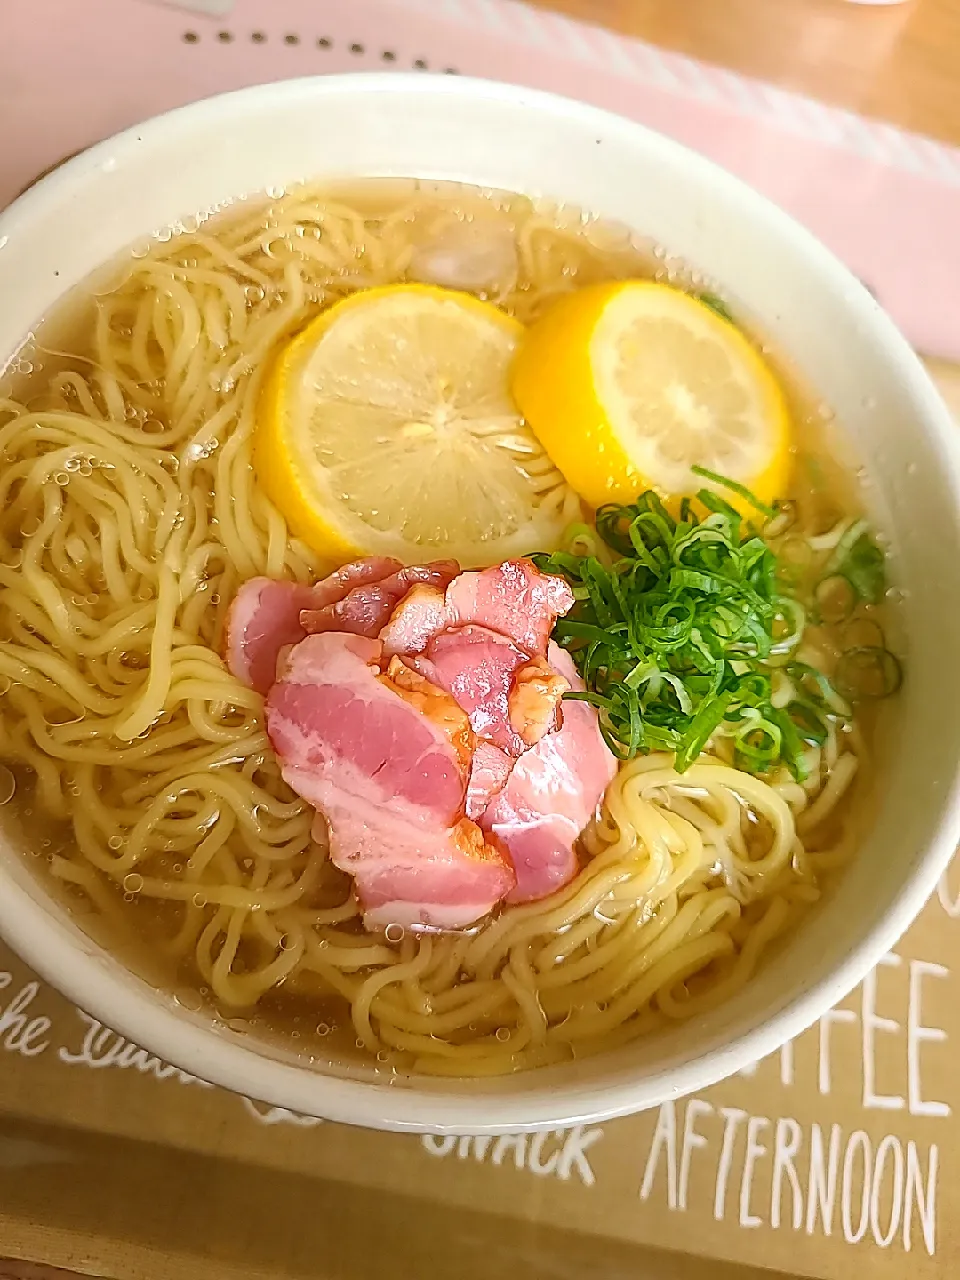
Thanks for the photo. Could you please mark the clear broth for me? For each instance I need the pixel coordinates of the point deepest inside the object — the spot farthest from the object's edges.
(300, 1015)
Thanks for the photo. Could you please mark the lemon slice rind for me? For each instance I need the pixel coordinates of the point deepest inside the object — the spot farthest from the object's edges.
(631, 384)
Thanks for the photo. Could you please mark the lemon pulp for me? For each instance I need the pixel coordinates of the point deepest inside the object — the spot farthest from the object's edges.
(388, 427)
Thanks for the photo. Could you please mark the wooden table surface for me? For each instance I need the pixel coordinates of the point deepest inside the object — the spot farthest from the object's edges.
(947, 378)
(900, 63)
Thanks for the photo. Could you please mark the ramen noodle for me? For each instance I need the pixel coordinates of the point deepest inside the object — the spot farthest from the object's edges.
(138, 768)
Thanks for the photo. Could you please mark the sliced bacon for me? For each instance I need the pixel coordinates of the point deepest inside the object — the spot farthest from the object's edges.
(366, 608)
(381, 756)
(533, 704)
(353, 574)
(325, 676)
(420, 615)
(512, 701)
(551, 794)
(446, 772)
(489, 772)
(478, 667)
(435, 703)
(413, 875)
(263, 618)
(514, 599)
(267, 615)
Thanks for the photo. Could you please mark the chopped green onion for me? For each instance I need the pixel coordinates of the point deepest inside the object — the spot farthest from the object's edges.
(818, 689)
(858, 559)
(792, 743)
(758, 744)
(680, 638)
(867, 672)
(582, 539)
(716, 305)
(835, 599)
(735, 487)
(862, 633)
(702, 727)
(793, 619)
(809, 722)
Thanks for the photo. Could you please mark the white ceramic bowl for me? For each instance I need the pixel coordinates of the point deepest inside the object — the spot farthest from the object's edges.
(810, 307)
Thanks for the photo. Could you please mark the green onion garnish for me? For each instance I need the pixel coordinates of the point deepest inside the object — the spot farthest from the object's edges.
(716, 305)
(868, 672)
(859, 561)
(735, 487)
(687, 634)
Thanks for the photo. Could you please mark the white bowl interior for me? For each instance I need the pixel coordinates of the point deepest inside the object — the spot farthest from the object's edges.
(808, 305)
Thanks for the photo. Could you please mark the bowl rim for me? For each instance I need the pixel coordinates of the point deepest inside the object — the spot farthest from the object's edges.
(152, 1022)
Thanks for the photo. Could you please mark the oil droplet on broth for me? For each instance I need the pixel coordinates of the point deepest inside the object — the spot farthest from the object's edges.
(189, 999)
(133, 883)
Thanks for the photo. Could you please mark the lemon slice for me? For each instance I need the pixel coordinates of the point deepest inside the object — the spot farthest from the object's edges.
(387, 427)
(629, 385)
